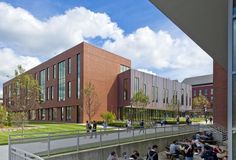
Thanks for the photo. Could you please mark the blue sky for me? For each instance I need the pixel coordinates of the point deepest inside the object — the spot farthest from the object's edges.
(32, 31)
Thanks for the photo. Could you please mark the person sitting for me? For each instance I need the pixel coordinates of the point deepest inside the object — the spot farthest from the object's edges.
(152, 154)
(174, 149)
(208, 154)
(112, 156)
(189, 149)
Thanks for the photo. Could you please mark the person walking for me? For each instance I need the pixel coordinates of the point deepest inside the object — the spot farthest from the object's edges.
(88, 128)
(94, 130)
(141, 126)
(211, 119)
(206, 120)
(152, 154)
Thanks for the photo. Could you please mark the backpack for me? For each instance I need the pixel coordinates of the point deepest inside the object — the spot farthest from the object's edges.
(151, 157)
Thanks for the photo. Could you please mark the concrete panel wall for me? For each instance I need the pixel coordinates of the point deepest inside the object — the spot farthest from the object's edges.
(141, 146)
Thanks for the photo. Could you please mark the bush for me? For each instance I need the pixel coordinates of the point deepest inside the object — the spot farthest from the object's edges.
(108, 117)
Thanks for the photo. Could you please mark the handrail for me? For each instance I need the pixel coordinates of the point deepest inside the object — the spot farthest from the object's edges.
(24, 154)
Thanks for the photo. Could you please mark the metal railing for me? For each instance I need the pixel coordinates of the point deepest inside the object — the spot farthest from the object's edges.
(47, 144)
(18, 154)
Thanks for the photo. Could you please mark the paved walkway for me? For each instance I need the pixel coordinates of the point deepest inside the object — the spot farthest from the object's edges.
(4, 152)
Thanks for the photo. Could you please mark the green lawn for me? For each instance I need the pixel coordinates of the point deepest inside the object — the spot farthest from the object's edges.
(41, 128)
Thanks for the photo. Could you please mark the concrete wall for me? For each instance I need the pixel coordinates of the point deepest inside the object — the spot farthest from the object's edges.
(141, 146)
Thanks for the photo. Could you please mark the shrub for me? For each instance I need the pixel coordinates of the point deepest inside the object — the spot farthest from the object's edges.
(108, 117)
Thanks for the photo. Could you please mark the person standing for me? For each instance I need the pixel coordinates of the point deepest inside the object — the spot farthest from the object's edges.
(211, 119)
(206, 120)
(177, 119)
(189, 151)
(88, 128)
(141, 125)
(94, 130)
(152, 154)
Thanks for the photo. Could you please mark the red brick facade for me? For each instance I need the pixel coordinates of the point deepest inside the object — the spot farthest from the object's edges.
(220, 95)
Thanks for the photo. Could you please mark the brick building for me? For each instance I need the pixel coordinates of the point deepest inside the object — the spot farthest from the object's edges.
(62, 78)
(202, 85)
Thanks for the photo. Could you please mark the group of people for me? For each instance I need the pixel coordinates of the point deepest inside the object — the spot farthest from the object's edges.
(91, 128)
(189, 148)
(152, 154)
(128, 126)
(210, 119)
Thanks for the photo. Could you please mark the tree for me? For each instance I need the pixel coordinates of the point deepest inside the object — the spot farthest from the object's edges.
(90, 100)
(108, 117)
(140, 101)
(3, 115)
(200, 102)
(24, 94)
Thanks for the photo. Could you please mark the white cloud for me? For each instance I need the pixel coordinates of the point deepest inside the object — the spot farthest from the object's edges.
(9, 62)
(147, 71)
(30, 37)
(20, 30)
(148, 49)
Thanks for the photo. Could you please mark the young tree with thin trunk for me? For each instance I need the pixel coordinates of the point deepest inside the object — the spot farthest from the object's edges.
(90, 101)
(140, 101)
(200, 102)
(24, 95)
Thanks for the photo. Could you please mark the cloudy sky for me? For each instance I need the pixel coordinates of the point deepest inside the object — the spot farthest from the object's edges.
(31, 32)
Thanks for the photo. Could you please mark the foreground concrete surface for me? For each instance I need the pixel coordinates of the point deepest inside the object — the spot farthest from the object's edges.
(4, 152)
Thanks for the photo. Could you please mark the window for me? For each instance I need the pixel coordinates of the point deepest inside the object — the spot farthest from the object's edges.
(156, 94)
(48, 93)
(42, 85)
(136, 84)
(212, 98)
(32, 115)
(145, 89)
(125, 89)
(78, 75)
(200, 92)
(48, 74)
(69, 89)
(164, 95)
(153, 93)
(61, 81)
(52, 92)
(190, 101)
(211, 91)
(182, 96)
(123, 68)
(205, 92)
(43, 115)
(186, 99)
(69, 66)
(68, 113)
(54, 113)
(62, 113)
(54, 71)
(167, 96)
(194, 93)
(50, 114)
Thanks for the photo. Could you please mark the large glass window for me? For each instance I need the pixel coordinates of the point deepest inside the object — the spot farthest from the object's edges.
(156, 94)
(48, 74)
(200, 92)
(54, 114)
(62, 113)
(50, 114)
(234, 101)
(48, 93)
(125, 89)
(68, 113)
(69, 65)
(61, 81)
(205, 92)
(167, 96)
(42, 85)
(43, 114)
(145, 89)
(54, 71)
(69, 89)
(136, 84)
(182, 96)
(153, 93)
(52, 92)
(78, 75)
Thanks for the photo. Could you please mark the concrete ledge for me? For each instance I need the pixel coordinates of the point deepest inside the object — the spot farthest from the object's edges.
(102, 153)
